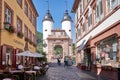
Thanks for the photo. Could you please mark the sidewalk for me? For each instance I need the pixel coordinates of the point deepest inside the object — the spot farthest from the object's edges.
(89, 75)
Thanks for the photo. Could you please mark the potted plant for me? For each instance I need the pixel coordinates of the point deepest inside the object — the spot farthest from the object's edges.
(20, 34)
(6, 25)
(27, 39)
(11, 29)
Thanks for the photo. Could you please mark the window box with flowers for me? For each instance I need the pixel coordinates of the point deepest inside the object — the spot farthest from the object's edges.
(27, 39)
(9, 27)
(20, 34)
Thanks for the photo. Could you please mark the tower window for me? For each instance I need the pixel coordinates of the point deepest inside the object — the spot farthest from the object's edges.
(45, 29)
(69, 30)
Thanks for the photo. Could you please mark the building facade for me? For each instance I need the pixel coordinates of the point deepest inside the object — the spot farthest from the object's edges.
(17, 27)
(57, 37)
(97, 30)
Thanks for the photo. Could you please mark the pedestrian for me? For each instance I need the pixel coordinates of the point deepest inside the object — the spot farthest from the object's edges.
(65, 61)
(58, 61)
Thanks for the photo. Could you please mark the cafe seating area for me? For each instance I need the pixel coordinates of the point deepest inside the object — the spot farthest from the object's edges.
(27, 73)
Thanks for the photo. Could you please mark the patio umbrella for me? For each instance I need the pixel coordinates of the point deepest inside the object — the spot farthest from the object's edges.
(37, 55)
(25, 53)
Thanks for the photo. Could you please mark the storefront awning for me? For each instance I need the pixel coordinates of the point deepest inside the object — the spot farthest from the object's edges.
(83, 44)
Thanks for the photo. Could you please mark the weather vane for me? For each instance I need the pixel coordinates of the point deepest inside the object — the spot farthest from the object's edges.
(66, 4)
(48, 4)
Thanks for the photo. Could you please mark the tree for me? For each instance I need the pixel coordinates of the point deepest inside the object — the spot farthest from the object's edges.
(73, 48)
(39, 41)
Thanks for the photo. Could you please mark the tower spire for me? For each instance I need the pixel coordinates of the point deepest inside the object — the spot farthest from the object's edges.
(66, 6)
(47, 4)
(48, 15)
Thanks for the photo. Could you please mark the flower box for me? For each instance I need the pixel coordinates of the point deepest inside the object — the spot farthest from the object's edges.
(20, 34)
(9, 27)
(27, 39)
(6, 25)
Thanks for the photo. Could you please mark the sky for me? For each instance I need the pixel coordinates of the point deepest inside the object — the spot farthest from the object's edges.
(57, 9)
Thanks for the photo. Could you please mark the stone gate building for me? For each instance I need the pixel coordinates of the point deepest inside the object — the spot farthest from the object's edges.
(57, 37)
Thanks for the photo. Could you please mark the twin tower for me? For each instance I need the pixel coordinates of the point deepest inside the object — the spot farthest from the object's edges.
(50, 38)
(48, 24)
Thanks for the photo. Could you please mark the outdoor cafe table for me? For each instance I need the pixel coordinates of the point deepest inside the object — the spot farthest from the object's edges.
(32, 73)
(18, 74)
(15, 71)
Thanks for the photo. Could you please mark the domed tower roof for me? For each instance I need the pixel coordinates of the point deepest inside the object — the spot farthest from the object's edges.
(66, 17)
(48, 16)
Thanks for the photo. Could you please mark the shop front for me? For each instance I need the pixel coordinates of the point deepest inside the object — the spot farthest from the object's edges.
(7, 56)
(106, 50)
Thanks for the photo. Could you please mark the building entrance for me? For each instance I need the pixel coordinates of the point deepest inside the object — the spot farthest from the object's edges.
(58, 44)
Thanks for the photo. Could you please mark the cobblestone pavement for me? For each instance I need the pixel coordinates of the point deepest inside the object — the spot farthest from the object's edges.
(56, 72)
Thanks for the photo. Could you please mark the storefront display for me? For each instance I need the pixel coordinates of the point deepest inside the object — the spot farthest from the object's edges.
(107, 51)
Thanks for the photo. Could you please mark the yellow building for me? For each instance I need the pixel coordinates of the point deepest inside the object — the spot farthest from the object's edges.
(17, 27)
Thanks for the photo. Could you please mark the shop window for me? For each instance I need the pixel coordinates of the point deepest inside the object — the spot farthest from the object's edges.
(8, 56)
(107, 51)
(18, 58)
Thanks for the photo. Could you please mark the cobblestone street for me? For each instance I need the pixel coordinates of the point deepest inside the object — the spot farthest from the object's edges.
(56, 72)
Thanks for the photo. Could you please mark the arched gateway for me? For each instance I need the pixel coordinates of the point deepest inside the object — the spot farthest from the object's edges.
(59, 38)
(52, 37)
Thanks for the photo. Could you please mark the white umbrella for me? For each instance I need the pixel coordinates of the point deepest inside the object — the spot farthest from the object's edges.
(25, 53)
(37, 55)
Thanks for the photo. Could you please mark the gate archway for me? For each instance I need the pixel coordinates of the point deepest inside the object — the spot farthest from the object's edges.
(58, 51)
(59, 39)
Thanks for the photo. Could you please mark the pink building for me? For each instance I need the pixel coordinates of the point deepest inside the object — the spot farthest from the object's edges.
(97, 25)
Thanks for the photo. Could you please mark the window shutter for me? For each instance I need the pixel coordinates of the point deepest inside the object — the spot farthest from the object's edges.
(3, 55)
